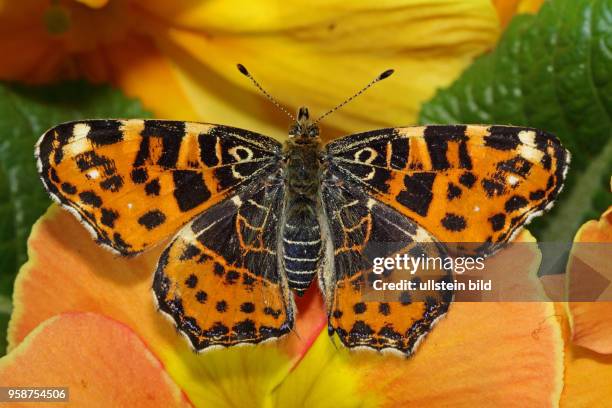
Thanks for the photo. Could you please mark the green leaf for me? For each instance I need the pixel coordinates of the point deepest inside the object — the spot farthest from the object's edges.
(551, 71)
(26, 113)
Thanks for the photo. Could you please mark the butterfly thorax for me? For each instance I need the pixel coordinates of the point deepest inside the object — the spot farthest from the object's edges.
(301, 231)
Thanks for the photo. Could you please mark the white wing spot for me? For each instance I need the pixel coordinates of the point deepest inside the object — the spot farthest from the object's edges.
(92, 174)
(512, 180)
(527, 137)
(235, 153)
(372, 154)
(80, 130)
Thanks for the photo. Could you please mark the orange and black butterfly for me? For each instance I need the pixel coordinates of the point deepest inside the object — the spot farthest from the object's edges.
(253, 221)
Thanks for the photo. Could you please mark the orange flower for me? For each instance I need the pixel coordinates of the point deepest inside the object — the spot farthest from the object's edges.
(109, 353)
(179, 57)
(591, 322)
(587, 329)
(489, 353)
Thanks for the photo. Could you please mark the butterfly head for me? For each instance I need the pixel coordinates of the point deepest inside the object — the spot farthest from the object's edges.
(303, 127)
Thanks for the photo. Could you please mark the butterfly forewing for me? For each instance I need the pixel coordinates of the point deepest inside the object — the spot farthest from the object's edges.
(135, 182)
(477, 184)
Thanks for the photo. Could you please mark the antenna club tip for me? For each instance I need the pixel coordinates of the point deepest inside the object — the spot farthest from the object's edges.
(242, 69)
(386, 74)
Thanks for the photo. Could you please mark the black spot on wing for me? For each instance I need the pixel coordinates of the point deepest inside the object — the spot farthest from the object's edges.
(245, 330)
(400, 149)
(113, 183)
(417, 194)
(201, 296)
(247, 307)
(91, 159)
(189, 189)
(152, 219)
(90, 198)
(171, 133)
(516, 165)
(515, 203)
(68, 188)
(108, 217)
(208, 150)
(221, 306)
(497, 221)
(139, 175)
(143, 152)
(467, 179)
(105, 132)
(191, 281)
(453, 191)
(503, 137)
(190, 252)
(537, 195)
(437, 138)
(275, 313)
(384, 309)
(454, 222)
(493, 187)
(359, 308)
(153, 187)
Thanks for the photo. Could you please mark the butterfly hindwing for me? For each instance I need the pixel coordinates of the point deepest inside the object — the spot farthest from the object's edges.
(219, 279)
(473, 183)
(360, 230)
(135, 182)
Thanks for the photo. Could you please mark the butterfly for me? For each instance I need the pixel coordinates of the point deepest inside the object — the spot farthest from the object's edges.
(253, 222)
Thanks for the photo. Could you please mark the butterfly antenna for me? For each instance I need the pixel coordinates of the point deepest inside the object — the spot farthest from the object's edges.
(247, 74)
(382, 76)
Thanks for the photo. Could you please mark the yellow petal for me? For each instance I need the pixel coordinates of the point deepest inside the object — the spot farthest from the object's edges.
(319, 55)
(101, 362)
(94, 4)
(589, 263)
(324, 378)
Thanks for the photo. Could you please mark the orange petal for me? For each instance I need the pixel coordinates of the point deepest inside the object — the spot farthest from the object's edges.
(506, 9)
(100, 361)
(67, 271)
(141, 70)
(480, 354)
(591, 322)
(587, 375)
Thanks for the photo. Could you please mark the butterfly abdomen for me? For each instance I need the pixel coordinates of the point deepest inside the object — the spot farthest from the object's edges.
(301, 243)
(301, 231)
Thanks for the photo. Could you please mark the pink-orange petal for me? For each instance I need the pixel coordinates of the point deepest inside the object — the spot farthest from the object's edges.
(103, 363)
(479, 354)
(591, 322)
(67, 271)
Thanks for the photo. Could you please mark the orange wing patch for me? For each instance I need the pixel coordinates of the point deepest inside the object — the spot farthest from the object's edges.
(363, 229)
(135, 182)
(216, 303)
(220, 279)
(470, 183)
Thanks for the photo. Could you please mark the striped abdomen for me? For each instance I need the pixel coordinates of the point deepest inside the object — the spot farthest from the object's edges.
(301, 243)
